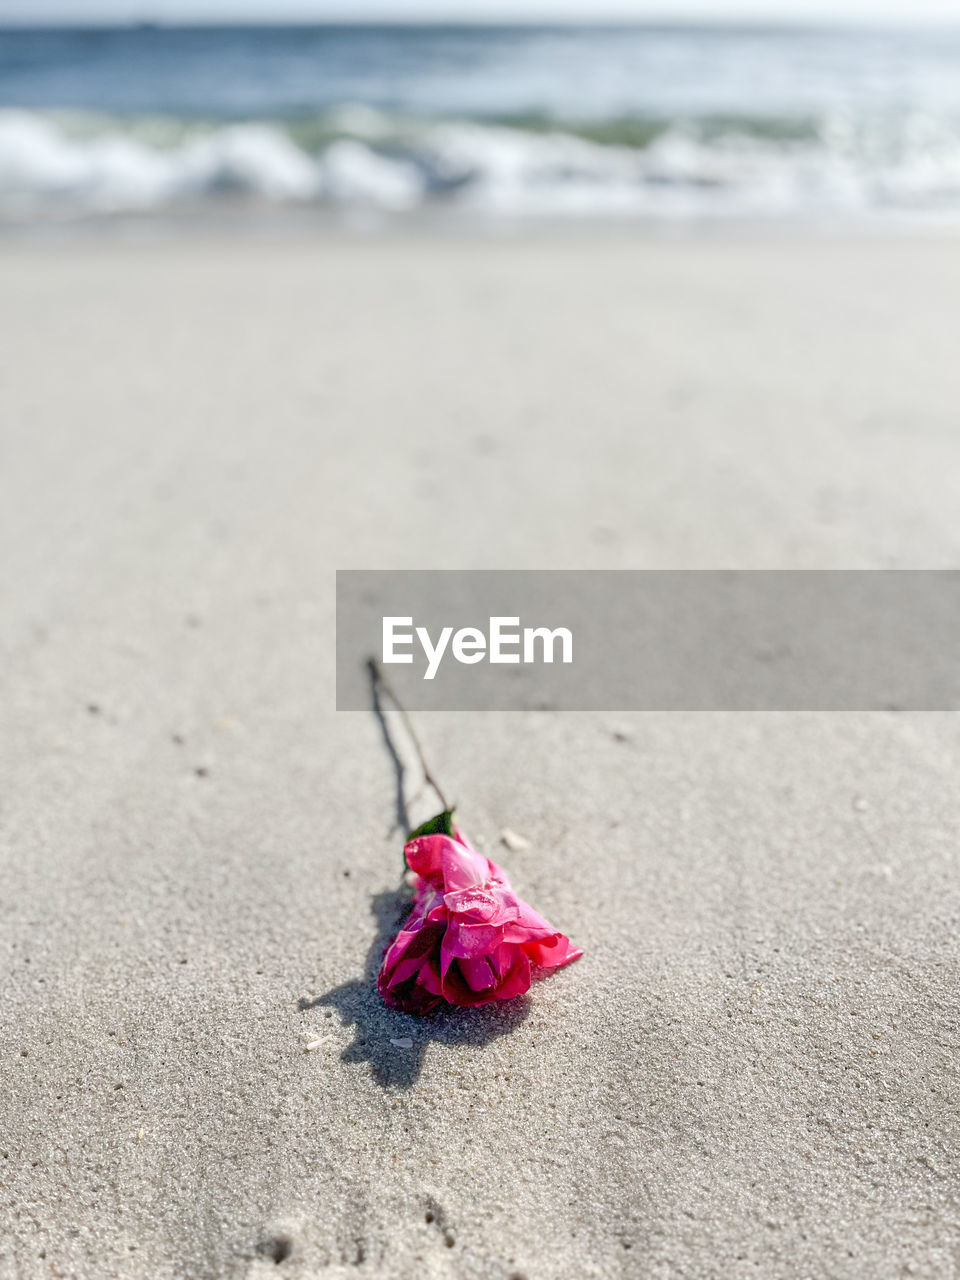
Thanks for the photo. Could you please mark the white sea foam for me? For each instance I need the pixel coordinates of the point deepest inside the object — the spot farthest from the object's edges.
(57, 165)
(355, 174)
(45, 169)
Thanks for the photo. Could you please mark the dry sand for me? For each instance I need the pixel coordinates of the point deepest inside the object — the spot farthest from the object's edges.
(753, 1071)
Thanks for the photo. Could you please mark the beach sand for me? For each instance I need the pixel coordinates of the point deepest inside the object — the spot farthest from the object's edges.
(753, 1069)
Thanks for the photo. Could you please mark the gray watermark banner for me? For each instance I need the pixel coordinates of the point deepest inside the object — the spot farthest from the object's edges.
(625, 640)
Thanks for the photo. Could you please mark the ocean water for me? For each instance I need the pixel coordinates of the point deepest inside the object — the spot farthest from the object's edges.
(496, 122)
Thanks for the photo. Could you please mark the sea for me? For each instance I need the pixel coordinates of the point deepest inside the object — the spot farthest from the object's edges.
(499, 123)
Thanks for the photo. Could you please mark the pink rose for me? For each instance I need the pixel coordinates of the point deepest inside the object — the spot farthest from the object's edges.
(469, 939)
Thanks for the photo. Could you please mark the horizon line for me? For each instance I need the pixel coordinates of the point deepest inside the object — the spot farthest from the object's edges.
(518, 22)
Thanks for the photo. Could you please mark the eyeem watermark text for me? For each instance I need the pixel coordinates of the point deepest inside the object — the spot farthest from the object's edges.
(685, 640)
(503, 642)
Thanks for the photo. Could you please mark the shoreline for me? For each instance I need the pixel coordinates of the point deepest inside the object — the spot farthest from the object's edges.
(299, 225)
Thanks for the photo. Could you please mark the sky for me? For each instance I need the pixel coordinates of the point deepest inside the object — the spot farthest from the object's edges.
(872, 11)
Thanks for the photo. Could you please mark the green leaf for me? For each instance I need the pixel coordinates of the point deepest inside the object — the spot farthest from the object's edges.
(441, 825)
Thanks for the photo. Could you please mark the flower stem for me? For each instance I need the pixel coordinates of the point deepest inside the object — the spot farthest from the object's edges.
(376, 672)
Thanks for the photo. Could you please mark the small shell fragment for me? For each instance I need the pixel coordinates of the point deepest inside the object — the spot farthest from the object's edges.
(513, 841)
(311, 1040)
(401, 1042)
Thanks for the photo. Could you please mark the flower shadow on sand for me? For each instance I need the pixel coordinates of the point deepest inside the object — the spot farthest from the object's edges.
(360, 1005)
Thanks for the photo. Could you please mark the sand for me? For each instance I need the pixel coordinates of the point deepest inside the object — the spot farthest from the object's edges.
(753, 1070)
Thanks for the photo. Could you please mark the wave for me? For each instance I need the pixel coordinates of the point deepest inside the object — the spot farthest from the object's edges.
(62, 165)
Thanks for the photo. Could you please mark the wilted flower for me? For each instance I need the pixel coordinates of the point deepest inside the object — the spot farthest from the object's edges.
(469, 939)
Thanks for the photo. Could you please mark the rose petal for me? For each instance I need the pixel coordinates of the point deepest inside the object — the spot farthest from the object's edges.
(464, 941)
(517, 980)
(478, 974)
(553, 953)
(462, 867)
